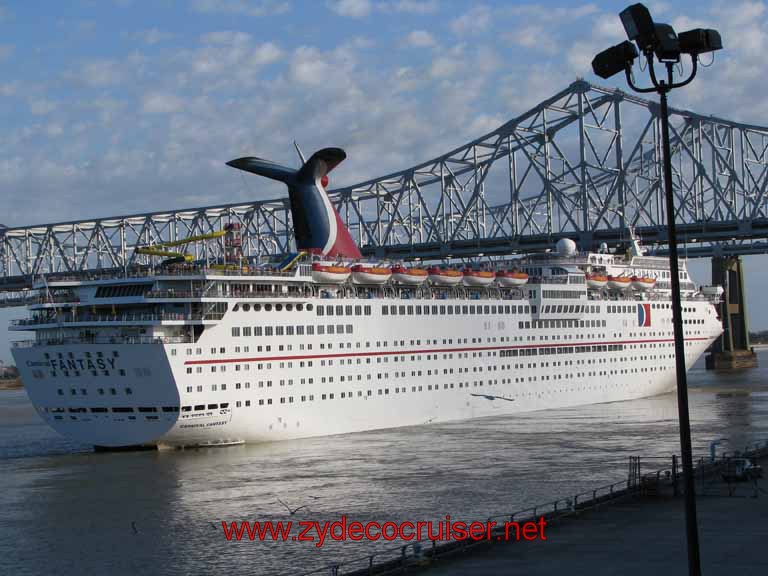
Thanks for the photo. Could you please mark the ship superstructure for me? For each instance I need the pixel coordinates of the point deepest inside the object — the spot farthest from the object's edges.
(182, 353)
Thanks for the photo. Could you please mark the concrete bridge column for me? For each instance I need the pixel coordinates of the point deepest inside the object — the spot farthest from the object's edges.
(732, 349)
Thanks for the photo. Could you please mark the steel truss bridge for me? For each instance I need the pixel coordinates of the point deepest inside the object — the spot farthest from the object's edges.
(584, 164)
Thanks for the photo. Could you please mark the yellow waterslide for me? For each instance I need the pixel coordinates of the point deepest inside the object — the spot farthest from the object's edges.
(160, 249)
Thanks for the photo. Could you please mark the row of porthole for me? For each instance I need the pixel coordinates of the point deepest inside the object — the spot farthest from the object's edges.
(268, 307)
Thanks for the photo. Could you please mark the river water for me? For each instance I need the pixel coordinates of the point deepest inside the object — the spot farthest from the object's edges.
(67, 510)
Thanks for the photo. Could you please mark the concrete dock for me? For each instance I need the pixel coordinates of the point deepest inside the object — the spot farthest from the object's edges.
(639, 535)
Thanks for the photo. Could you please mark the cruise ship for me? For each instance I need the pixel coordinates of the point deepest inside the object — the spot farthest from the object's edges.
(186, 353)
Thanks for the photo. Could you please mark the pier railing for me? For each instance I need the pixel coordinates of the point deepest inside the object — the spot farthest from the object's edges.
(399, 558)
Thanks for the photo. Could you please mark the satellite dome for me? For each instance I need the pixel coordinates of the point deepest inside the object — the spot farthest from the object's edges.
(566, 247)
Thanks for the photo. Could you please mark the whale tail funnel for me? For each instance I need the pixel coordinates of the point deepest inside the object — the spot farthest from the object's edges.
(316, 223)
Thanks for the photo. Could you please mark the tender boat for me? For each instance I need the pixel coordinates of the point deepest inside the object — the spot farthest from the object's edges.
(596, 281)
(412, 276)
(478, 277)
(362, 274)
(444, 276)
(329, 273)
(510, 278)
(643, 284)
(619, 282)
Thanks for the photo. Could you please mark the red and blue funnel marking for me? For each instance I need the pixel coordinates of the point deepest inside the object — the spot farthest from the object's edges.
(317, 225)
(644, 315)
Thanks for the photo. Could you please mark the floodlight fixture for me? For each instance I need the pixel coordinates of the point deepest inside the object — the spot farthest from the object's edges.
(666, 45)
(614, 60)
(638, 25)
(700, 41)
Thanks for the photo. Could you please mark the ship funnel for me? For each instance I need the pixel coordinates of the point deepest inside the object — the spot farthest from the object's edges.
(317, 225)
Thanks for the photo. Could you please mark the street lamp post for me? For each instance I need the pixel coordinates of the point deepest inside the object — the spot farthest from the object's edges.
(660, 41)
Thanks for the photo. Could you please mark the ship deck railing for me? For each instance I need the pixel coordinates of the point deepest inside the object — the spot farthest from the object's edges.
(120, 318)
(188, 271)
(202, 293)
(109, 340)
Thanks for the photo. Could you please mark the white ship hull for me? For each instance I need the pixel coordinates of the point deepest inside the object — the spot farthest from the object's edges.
(382, 371)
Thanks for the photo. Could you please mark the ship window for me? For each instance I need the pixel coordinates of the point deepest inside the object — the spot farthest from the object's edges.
(367, 310)
(235, 332)
(122, 410)
(267, 307)
(200, 407)
(320, 310)
(329, 310)
(384, 310)
(309, 307)
(310, 332)
(279, 330)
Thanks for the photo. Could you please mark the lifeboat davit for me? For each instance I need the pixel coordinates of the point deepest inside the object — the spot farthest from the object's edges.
(509, 279)
(412, 276)
(619, 282)
(478, 277)
(444, 276)
(596, 281)
(330, 274)
(370, 274)
(643, 284)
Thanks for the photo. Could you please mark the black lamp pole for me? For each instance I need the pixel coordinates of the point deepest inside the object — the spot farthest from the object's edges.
(661, 40)
(691, 522)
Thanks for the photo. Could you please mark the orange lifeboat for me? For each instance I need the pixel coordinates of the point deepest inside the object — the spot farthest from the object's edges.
(596, 281)
(412, 276)
(478, 277)
(619, 282)
(330, 274)
(511, 278)
(370, 274)
(444, 276)
(643, 283)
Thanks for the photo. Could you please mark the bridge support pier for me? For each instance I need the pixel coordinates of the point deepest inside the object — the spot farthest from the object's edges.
(732, 350)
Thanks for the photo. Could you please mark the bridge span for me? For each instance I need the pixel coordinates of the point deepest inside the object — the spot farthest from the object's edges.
(584, 164)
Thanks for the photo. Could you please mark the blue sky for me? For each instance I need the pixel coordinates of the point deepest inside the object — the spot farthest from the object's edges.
(122, 106)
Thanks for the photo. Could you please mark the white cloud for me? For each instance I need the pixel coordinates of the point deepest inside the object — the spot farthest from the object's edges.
(77, 27)
(232, 54)
(6, 51)
(474, 21)
(551, 13)
(351, 8)
(420, 39)
(362, 8)
(100, 73)
(410, 6)
(161, 103)
(535, 37)
(245, 7)
(152, 36)
(42, 106)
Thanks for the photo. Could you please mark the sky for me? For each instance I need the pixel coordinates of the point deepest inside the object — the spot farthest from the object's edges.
(122, 106)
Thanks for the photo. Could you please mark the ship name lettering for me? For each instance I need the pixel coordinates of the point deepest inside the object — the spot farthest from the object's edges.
(80, 364)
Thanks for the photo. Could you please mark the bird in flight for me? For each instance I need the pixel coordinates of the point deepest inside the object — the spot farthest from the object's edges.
(292, 511)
